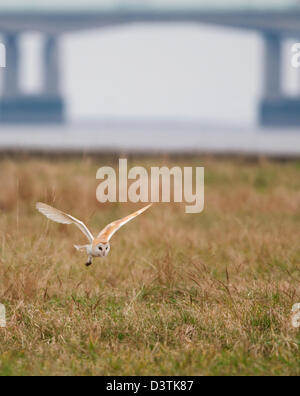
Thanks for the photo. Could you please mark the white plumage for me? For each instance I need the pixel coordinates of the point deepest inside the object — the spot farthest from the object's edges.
(97, 247)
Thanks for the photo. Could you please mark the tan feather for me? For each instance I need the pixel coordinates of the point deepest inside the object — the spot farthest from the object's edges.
(106, 234)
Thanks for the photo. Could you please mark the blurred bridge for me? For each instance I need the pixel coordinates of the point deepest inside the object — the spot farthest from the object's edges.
(274, 22)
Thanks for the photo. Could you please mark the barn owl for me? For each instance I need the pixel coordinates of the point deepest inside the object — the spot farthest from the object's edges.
(97, 247)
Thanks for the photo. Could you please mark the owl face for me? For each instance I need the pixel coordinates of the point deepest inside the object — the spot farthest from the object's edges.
(101, 249)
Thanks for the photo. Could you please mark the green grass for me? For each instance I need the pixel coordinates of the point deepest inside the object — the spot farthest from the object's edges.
(179, 294)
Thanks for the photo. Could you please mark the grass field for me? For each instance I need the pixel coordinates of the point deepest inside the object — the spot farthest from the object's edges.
(179, 294)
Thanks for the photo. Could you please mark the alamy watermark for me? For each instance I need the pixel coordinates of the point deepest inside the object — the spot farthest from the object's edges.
(2, 316)
(182, 185)
(296, 55)
(296, 316)
(2, 55)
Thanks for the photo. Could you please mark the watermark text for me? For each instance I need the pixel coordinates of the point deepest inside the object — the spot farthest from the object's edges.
(296, 55)
(161, 184)
(296, 316)
(2, 55)
(2, 316)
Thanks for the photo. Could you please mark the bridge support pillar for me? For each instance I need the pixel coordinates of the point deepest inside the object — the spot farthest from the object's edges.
(276, 109)
(46, 107)
(51, 67)
(11, 72)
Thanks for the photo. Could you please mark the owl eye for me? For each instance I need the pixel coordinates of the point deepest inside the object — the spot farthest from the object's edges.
(100, 248)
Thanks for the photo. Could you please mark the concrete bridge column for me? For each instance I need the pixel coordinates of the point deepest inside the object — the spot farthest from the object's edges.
(45, 107)
(272, 66)
(276, 109)
(51, 67)
(11, 72)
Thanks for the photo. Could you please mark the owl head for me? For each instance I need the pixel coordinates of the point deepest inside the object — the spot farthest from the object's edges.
(101, 249)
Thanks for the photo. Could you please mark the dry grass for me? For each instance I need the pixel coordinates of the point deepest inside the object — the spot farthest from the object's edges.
(179, 294)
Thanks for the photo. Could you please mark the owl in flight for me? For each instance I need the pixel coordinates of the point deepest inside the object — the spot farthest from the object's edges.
(97, 247)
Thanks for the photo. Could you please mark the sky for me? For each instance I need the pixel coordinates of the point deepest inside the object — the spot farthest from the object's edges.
(184, 72)
(162, 4)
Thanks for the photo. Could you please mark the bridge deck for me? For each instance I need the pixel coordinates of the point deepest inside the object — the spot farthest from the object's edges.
(20, 6)
(60, 16)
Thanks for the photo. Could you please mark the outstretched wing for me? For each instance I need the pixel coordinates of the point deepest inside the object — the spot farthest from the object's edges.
(61, 217)
(106, 234)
